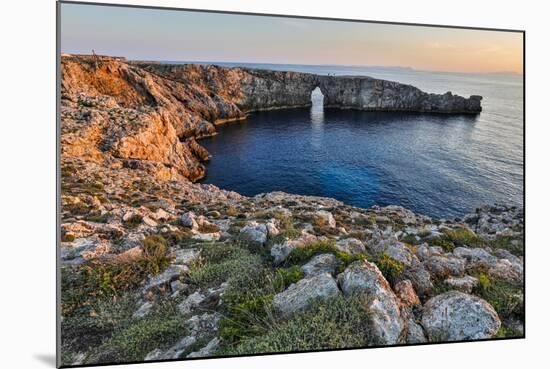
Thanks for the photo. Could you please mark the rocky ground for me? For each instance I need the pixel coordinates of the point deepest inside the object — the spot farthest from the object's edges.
(154, 266)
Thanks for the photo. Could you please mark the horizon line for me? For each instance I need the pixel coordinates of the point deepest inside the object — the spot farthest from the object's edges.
(212, 62)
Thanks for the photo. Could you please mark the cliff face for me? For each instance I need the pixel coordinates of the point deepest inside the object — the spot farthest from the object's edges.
(365, 93)
(253, 89)
(147, 115)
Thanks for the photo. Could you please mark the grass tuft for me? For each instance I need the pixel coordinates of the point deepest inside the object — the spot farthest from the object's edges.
(339, 322)
(390, 268)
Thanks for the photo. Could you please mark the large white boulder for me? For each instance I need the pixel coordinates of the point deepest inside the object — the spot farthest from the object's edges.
(456, 316)
(299, 296)
(383, 305)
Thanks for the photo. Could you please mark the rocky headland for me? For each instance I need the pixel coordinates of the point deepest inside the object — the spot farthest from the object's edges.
(155, 266)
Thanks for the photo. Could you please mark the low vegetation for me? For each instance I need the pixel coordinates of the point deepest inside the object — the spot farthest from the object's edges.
(161, 328)
(302, 255)
(390, 268)
(336, 323)
(108, 277)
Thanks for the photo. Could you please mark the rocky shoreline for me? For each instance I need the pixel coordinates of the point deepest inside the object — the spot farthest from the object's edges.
(155, 266)
(150, 114)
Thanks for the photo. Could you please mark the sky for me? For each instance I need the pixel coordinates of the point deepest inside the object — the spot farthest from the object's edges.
(168, 35)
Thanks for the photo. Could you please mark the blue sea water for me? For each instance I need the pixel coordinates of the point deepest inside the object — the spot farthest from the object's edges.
(438, 165)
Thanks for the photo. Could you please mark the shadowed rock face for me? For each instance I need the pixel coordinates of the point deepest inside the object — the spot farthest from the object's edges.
(254, 89)
(147, 115)
(365, 93)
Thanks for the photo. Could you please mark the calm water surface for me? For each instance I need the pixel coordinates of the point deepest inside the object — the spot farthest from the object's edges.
(443, 166)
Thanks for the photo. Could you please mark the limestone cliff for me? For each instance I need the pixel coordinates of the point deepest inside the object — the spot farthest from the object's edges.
(255, 89)
(148, 115)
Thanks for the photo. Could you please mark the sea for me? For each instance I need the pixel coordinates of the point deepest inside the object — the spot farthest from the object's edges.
(443, 166)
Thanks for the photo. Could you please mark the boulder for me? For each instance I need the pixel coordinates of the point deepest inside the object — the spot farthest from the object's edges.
(325, 218)
(272, 229)
(203, 325)
(464, 284)
(442, 266)
(186, 256)
(207, 237)
(475, 256)
(171, 273)
(405, 292)
(143, 310)
(280, 251)
(161, 215)
(504, 269)
(177, 287)
(82, 249)
(173, 352)
(299, 296)
(156, 354)
(191, 302)
(320, 264)
(383, 306)
(189, 220)
(149, 221)
(401, 253)
(351, 246)
(419, 277)
(254, 232)
(509, 268)
(208, 350)
(456, 316)
(415, 333)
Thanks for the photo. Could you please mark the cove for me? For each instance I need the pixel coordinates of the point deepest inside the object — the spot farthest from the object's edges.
(438, 165)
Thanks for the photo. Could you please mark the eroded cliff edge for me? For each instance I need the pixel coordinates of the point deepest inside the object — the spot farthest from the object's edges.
(148, 115)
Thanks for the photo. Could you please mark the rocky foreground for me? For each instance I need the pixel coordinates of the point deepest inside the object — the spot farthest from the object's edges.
(155, 266)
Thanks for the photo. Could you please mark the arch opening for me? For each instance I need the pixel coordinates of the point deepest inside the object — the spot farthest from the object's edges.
(317, 106)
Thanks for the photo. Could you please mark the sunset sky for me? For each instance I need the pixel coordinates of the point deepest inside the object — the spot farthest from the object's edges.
(151, 34)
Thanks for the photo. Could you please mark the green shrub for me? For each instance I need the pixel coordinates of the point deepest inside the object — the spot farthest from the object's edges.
(216, 252)
(439, 287)
(286, 277)
(103, 277)
(512, 244)
(97, 321)
(442, 241)
(390, 268)
(464, 237)
(371, 219)
(361, 221)
(246, 319)
(155, 254)
(302, 255)
(410, 239)
(208, 273)
(508, 332)
(505, 296)
(339, 322)
(248, 302)
(286, 228)
(162, 328)
(232, 211)
(484, 281)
